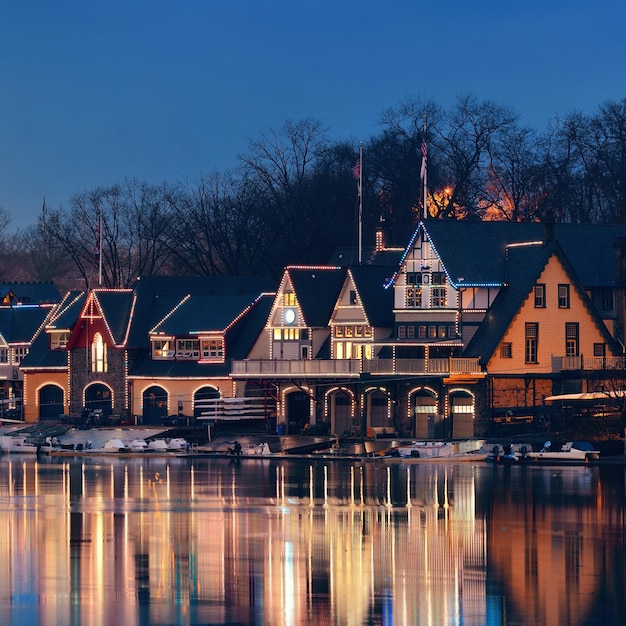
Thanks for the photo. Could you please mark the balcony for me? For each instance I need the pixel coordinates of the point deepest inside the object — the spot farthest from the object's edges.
(590, 363)
(353, 368)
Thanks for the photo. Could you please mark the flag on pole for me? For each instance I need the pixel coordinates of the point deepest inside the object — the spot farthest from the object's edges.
(424, 159)
(357, 174)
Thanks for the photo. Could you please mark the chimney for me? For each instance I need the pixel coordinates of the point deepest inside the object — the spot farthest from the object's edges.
(548, 227)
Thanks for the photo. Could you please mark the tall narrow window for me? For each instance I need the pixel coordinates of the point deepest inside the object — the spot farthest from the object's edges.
(532, 337)
(563, 296)
(571, 339)
(98, 354)
(540, 296)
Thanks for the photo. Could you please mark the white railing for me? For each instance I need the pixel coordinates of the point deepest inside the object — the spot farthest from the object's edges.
(354, 367)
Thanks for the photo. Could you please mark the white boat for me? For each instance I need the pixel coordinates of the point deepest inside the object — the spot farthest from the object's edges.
(114, 445)
(138, 445)
(440, 450)
(259, 449)
(17, 445)
(570, 452)
(177, 444)
(158, 445)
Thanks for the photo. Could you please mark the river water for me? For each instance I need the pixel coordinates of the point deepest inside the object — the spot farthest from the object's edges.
(155, 540)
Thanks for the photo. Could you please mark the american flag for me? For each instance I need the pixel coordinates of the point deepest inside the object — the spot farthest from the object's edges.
(424, 158)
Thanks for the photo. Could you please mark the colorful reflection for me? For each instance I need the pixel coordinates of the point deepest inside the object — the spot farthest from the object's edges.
(260, 541)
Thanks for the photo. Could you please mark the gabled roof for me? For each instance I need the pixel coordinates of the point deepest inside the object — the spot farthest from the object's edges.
(115, 306)
(66, 313)
(19, 324)
(526, 264)
(157, 298)
(239, 340)
(477, 252)
(377, 301)
(41, 357)
(200, 313)
(317, 290)
(29, 292)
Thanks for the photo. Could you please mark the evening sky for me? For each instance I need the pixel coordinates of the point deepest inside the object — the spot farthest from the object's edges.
(96, 92)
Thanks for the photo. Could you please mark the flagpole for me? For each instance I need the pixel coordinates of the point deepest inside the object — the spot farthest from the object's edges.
(425, 170)
(360, 199)
(100, 248)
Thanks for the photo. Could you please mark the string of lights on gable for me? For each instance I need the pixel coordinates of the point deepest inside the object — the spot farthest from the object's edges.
(170, 313)
(391, 281)
(103, 316)
(63, 308)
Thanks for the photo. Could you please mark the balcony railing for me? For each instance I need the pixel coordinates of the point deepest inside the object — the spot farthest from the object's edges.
(354, 367)
(592, 363)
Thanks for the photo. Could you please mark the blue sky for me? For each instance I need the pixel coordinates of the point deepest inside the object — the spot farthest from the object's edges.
(93, 93)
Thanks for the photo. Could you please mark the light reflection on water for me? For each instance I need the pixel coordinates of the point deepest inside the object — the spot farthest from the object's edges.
(261, 541)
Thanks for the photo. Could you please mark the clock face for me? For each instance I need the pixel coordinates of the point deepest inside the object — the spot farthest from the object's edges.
(290, 316)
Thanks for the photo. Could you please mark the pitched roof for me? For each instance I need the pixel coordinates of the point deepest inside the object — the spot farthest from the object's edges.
(317, 290)
(476, 253)
(377, 301)
(157, 298)
(115, 306)
(66, 313)
(19, 324)
(29, 292)
(40, 356)
(525, 266)
(239, 340)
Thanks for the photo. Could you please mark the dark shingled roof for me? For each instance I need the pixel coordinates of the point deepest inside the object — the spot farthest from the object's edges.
(477, 251)
(116, 308)
(377, 301)
(41, 357)
(66, 314)
(317, 290)
(158, 296)
(239, 340)
(31, 292)
(525, 265)
(19, 324)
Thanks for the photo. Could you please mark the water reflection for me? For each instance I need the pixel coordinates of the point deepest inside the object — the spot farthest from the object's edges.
(166, 541)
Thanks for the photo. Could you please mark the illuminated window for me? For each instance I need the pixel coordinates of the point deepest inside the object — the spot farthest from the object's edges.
(163, 349)
(439, 296)
(98, 354)
(58, 340)
(289, 298)
(212, 348)
(413, 298)
(19, 354)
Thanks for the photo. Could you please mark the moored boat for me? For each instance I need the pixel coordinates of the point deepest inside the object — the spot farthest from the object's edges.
(570, 452)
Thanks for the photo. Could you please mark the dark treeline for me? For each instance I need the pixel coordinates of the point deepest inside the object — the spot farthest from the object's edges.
(292, 199)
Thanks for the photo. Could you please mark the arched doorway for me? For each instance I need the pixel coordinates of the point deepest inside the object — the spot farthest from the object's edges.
(98, 396)
(378, 409)
(202, 408)
(462, 413)
(154, 405)
(341, 412)
(428, 423)
(298, 411)
(50, 402)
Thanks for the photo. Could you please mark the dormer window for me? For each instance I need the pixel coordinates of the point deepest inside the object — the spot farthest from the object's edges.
(163, 348)
(187, 349)
(212, 349)
(58, 340)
